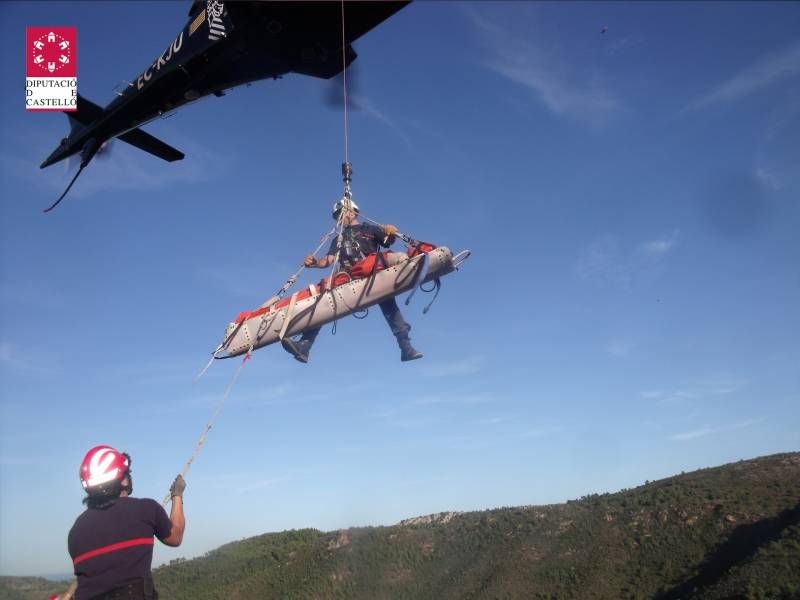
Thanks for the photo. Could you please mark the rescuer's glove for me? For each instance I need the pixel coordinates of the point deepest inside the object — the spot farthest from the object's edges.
(390, 231)
(309, 261)
(177, 487)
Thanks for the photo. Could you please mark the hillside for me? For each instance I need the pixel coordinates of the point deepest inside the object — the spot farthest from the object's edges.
(29, 588)
(725, 532)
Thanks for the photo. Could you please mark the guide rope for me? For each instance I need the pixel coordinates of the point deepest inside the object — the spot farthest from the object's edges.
(211, 421)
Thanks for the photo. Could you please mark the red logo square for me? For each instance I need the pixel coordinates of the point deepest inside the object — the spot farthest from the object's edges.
(52, 51)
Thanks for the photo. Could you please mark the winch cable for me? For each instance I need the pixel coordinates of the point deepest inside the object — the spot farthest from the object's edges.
(344, 88)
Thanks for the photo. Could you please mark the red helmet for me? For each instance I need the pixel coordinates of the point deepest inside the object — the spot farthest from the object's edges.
(103, 464)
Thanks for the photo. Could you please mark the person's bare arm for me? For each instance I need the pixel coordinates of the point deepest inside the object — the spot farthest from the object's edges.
(319, 263)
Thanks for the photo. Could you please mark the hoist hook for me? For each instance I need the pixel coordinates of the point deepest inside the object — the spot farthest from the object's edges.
(347, 177)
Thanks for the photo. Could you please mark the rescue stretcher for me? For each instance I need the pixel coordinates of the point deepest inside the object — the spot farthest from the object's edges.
(322, 303)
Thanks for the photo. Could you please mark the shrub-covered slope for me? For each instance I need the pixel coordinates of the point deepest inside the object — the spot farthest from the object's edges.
(726, 532)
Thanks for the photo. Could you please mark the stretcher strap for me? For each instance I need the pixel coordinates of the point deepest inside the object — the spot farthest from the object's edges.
(437, 284)
(423, 272)
(289, 315)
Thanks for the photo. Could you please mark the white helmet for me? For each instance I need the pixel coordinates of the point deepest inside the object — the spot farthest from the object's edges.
(344, 202)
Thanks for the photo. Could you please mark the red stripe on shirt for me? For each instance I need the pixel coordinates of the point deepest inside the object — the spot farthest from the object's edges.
(113, 548)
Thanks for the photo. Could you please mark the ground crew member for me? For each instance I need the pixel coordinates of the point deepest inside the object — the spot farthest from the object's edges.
(111, 542)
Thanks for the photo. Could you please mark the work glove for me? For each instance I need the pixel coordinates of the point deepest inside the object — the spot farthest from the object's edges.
(309, 261)
(177, 487)
(390, 231)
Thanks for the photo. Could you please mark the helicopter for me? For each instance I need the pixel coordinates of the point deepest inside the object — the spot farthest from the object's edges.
(223, 45)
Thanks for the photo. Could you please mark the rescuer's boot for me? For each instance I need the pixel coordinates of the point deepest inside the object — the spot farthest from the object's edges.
(300, 348)
(400, 329)
(407, 351)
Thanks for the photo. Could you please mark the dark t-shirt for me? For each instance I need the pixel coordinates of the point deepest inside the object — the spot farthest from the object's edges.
(112, 546)
(358, 241)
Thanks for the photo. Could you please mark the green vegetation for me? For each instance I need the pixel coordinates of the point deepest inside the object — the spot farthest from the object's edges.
(726, 532)
(29, 588)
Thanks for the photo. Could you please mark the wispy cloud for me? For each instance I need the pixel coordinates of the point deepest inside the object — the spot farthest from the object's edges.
(31, 295)
(25, 362)
(624, 44)
(758, 75)
(705, 431)
(244, 482)
(369, 108)
(126, 168)
(464, 366)
(695, 392)
(619, 347)
(659, 247)
(491, 421)
(605, 260)
(454, 398)
(564, 89)
(261, 483)
(542, 431)
(235, 281)
(768, 178)
(17, 461)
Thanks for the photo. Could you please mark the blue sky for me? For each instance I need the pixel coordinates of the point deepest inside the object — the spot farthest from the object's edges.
(631, 200)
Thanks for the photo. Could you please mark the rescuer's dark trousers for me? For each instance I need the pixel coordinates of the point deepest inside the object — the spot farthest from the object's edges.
(140, 589)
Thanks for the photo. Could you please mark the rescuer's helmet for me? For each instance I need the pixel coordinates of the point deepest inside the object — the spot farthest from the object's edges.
(343, 203)
(102, 466)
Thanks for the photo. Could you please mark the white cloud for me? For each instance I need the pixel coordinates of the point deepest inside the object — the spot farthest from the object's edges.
(31, 295)
(690, 435)
(625, 43)
(768, 178)
(760, 74)
(23, 363)
(619, 347)
(465, 366)
(16, 461)
(696, 392)
(491, 421)
(538, 432)
(563, 89)
(6, 353)
(126, 168)
(603, 261)
(259, 483)
(704, 431)
(659, 247)
(453, 398)
(606, 261)
(370, 109)
(244, 482)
